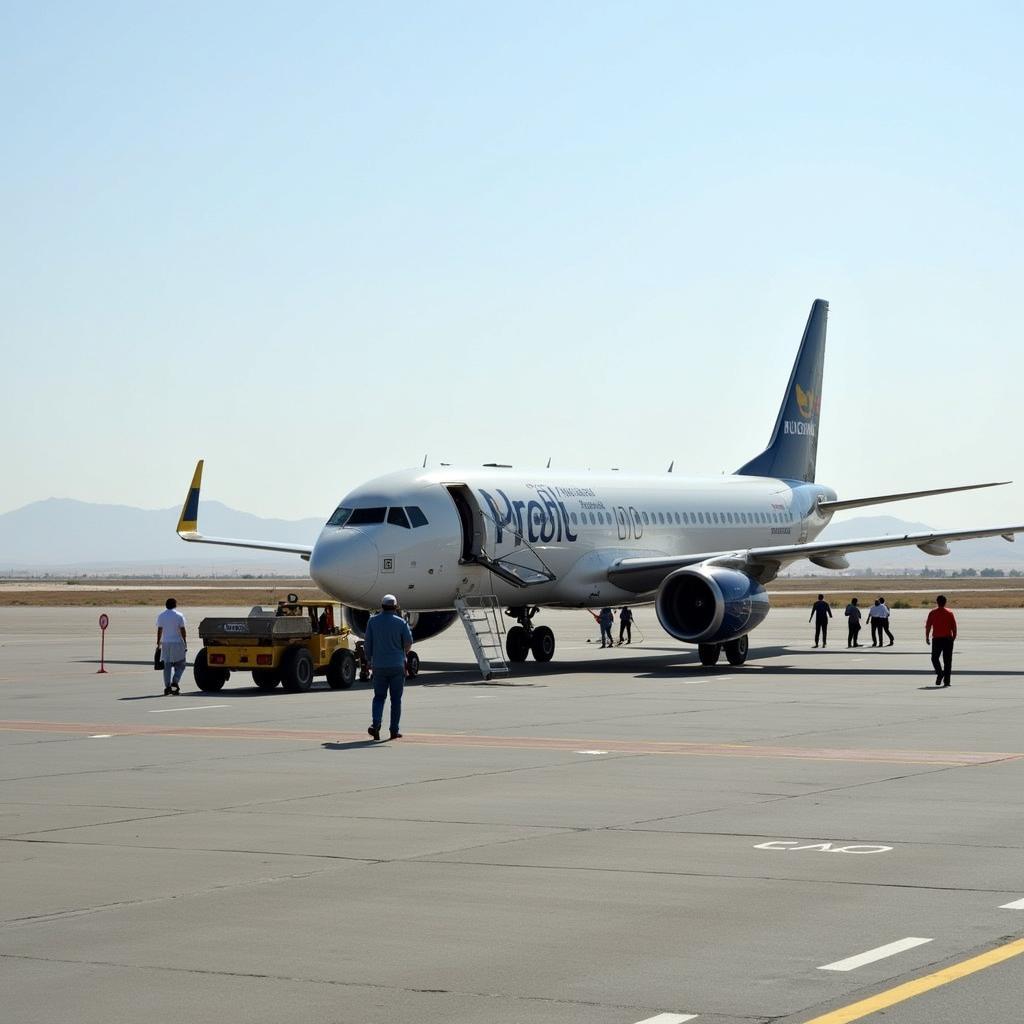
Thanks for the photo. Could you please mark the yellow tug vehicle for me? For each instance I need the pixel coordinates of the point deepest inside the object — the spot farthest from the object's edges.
(289, 646)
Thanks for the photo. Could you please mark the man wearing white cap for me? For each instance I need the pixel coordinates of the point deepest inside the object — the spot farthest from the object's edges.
(388, 640)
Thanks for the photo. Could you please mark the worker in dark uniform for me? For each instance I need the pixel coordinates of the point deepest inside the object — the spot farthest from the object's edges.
(606, 620)
(940, 631)
(821, 612)
(388, 640)
(626, 625)
(853, 619)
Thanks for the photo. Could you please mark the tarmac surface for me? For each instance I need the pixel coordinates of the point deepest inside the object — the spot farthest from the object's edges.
(619, 836)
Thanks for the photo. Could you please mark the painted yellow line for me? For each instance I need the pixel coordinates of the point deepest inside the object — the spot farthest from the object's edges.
(858, 1010)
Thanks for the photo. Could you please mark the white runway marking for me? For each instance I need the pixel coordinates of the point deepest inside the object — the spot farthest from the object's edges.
(669, 1018)
(853, 962)
(591, 752)
(102, 736)
(201, 707)
(1015, 905)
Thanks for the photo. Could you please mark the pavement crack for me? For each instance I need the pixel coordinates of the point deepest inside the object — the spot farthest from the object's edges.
(301, 979)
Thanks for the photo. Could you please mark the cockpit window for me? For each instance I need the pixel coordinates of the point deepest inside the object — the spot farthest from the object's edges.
(416, 516)
(366, 516)
(340, 517)
(397, 517)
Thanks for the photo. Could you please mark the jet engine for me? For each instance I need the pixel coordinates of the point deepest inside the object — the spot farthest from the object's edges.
(708, 604)
(424, 625)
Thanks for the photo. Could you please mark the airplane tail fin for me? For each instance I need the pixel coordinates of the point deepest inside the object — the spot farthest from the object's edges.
(793, 449)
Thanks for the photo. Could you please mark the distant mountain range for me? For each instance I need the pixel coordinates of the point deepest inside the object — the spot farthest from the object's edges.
(61, 533)
(64, 534)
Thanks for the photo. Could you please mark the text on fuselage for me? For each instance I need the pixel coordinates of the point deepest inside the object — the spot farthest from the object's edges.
(542, 519)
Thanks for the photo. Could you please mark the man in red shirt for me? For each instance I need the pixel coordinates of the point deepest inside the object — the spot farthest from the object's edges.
(940, 631)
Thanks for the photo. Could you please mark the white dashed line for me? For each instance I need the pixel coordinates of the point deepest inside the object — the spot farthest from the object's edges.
(853, 962)
(201, 707)
(1015, 905)
(591, 752)
(669, 1018)
(102, 736)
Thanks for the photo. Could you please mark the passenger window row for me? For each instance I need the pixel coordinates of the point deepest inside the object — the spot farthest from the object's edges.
(688, 518)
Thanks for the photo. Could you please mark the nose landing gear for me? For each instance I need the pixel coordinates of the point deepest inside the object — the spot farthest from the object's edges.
(524, 638)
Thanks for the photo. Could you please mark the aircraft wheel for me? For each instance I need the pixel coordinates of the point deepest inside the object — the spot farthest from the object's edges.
(297, 670)
(517, 644)
(341, 670)
(209, 680)
(709, 653)
(542, 643)
(736, 650)
(266, 678)
(412, 665)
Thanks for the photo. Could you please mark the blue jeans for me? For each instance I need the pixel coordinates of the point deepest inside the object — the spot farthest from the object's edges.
(173, 655)
(388, 681)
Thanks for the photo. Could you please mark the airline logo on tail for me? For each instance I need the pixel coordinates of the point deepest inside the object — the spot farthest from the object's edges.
(808, 405)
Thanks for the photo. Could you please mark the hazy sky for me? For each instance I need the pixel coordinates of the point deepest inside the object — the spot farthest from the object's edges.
(312, 243)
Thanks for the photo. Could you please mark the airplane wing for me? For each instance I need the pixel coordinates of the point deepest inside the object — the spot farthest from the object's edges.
(881, 499)
(188, 526)
(641, 575)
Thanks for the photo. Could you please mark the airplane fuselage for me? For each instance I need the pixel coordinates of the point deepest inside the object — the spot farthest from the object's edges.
(562, 530)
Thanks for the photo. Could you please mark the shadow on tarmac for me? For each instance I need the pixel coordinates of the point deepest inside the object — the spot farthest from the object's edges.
(643, 663)
(110, 661)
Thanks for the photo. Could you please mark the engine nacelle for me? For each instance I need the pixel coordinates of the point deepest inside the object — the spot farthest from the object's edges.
(424, 625)
(710, 605)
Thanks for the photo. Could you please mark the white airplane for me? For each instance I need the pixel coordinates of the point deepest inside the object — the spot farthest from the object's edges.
(700, 549)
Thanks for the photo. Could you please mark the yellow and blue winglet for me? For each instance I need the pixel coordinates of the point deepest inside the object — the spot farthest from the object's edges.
(188, 526)
(188, 522)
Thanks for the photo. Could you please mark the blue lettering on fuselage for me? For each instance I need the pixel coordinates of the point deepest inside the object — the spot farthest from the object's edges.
(546, 518)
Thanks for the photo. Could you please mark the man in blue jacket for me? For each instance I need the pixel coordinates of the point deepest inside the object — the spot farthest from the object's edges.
(388, 640)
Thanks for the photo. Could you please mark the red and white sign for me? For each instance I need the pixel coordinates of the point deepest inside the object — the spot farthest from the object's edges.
(104, 622)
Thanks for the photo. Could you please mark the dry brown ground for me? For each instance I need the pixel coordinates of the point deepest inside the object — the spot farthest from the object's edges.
(142, 593)
(901, 591)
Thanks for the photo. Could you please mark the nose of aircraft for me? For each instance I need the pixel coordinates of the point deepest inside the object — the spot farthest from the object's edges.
(344, 564)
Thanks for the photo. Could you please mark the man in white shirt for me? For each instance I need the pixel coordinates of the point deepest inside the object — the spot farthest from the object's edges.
(883, 621)
(874, 620)
(170, 638)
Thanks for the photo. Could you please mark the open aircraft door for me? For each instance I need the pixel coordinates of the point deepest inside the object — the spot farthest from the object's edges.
(471, 519)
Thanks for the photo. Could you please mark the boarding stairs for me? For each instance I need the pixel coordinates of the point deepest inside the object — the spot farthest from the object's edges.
(481, 617)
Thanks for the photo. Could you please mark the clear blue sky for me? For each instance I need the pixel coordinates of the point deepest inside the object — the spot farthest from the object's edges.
(311, 243)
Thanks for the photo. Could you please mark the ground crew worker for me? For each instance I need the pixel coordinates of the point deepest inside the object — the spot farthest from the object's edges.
(821, 612)
(605, 620)
(940, 629)
(853, 618)
(883, 622)
(388, 640)
(626, 625)
(170, 638)
(874, 621)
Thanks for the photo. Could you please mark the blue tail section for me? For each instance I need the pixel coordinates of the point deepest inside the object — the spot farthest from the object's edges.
(793, 449)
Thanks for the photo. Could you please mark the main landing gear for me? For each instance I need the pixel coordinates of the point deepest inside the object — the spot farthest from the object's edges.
(525, 637)
(735, 651)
